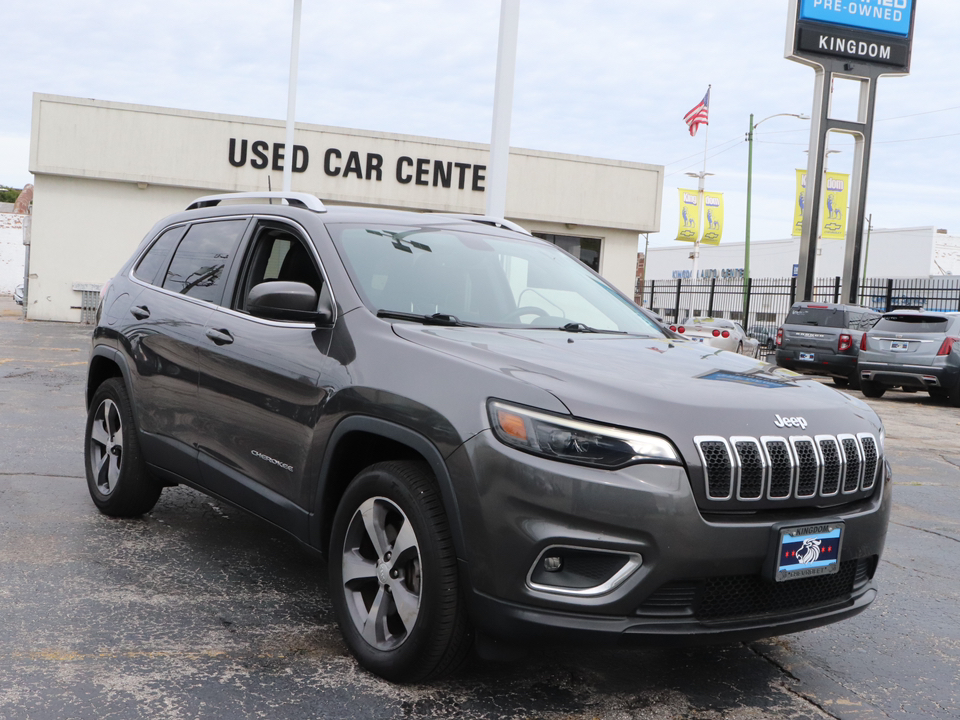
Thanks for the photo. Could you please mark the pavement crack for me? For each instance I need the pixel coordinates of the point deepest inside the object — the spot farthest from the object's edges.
(35, 474)
(805, 697)
(932, 532)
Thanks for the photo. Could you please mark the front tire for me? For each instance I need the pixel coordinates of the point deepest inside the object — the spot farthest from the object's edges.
(117, 476)
(393, 575)
(872, 389)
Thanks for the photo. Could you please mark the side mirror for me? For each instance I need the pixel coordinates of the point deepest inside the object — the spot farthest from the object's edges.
(280, 300)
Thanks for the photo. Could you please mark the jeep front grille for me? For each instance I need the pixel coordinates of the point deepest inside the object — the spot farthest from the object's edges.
(782, 468)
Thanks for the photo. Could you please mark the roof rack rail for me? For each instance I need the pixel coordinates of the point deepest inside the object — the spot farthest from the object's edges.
(486, 220)
(295, 199)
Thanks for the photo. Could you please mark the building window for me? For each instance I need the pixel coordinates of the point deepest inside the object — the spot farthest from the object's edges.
(587, 250)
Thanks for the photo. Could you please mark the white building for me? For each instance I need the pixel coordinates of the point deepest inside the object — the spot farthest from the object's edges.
(11, 250)
(105, 172)
(898, 253)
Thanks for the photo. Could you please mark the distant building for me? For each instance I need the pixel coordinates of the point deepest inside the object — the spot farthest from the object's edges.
(919, 252)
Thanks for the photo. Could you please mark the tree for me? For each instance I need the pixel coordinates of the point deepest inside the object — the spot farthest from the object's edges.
(8, 195)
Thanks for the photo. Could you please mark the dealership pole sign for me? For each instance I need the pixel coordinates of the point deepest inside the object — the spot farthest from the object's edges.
(859, 40)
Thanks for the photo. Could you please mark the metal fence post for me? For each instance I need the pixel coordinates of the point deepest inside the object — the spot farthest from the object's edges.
(836, 289)
(713, 288)
(793, 291)
(652, 283)
(746, 303)
(676, 306)
(889, 295)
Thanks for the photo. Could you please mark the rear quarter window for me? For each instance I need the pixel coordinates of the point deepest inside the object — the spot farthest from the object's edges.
(155, 259)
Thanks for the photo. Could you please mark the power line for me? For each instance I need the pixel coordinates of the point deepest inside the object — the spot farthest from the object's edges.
(708, 158)
(932, 137)
(926, 112)
(700, 154)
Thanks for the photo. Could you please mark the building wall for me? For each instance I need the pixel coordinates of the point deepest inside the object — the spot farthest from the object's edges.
(11, 252)
(897, 253)
(105, 172)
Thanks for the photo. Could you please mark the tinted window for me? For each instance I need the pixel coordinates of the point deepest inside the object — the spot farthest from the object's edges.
(819, 316)
(155, 260)
(202, 260)
(912, 324)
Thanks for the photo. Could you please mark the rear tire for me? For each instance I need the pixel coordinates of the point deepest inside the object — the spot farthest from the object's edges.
(938, 393)
(394, 578)
(955, 395)
(117, 476)
(872, 389)
(840, 382)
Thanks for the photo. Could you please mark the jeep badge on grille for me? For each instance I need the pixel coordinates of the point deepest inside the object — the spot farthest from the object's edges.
(798, 422)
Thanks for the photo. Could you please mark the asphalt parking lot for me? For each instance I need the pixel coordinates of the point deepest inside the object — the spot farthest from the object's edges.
(198, 610)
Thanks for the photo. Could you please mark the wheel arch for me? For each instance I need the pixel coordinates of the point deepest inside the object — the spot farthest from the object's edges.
(105, 363)
(360, 441)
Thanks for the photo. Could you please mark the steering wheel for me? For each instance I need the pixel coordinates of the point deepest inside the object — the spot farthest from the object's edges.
(525, 310)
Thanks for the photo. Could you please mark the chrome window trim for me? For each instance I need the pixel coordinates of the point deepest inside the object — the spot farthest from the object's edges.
(823, 465)
(633, 563)
(765, 467)
(765, 440)
(843, 454)
(863, 455)
(734, 465)
(794, 439)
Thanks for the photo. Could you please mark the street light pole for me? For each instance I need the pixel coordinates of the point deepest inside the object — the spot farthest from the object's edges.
(746, 236)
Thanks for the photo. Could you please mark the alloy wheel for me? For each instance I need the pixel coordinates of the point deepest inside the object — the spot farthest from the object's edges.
(106, 446)
(382, 579)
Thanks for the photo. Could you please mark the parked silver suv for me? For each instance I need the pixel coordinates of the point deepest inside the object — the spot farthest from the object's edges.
(489, 442)
(915, 350)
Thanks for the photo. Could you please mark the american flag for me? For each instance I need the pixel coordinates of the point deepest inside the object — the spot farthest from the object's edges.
(698, 116)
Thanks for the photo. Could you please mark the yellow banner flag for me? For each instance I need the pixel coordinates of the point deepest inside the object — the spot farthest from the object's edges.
(712, 218)
(689, 229)
(833, 225)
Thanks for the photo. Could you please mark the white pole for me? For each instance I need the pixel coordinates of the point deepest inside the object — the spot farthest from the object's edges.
(502, 109)
(292, 97)
(696, 241)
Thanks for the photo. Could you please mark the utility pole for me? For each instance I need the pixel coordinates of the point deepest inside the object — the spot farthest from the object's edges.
(288, 154)
(502, 109)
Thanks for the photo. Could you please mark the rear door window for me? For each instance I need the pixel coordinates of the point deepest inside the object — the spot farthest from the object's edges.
(202, 261)
(912, 324)
(817, 316)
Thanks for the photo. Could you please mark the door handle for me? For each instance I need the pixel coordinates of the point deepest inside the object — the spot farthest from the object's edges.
(140, 312)
(220, 337)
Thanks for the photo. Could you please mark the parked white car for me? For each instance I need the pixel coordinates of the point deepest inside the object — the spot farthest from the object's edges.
(719, 333)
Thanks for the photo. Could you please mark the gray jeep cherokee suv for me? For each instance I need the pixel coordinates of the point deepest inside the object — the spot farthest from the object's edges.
(487, 441)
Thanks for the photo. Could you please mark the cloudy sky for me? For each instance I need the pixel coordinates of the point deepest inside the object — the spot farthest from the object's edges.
(605, 78)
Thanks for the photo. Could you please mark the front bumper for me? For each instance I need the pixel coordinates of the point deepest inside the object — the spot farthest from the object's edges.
(513, 506)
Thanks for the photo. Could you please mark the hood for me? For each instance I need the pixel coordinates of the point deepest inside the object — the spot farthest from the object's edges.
(675, 388)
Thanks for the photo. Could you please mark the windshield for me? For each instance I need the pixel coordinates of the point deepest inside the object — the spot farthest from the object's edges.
(481, 279)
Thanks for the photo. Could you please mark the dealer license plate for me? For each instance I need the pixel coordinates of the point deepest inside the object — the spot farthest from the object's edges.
(899, 346)
(807, 357)
(809, 550)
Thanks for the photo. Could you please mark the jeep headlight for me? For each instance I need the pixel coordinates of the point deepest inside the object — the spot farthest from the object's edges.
(563, 438)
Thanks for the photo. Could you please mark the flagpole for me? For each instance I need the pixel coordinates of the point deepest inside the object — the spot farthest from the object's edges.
(703, 175)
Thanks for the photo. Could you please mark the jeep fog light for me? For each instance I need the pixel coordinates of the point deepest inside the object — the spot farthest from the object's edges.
(563, 438)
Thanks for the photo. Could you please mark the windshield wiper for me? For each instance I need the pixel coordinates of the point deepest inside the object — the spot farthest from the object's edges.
(579, 327)
(435, 319)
